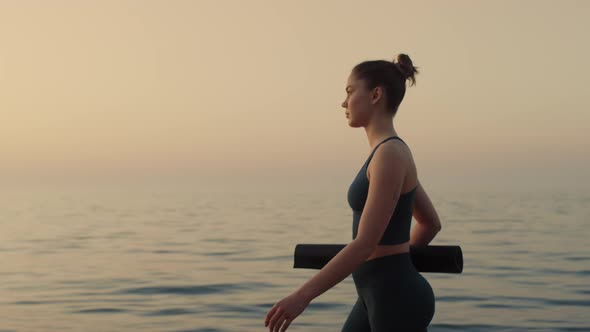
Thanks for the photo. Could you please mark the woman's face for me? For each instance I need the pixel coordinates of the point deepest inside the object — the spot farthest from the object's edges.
(357, 103)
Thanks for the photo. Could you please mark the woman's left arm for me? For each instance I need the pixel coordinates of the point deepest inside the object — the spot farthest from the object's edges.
(386, 179)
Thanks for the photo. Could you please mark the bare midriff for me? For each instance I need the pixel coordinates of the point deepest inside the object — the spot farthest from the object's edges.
(387, 250)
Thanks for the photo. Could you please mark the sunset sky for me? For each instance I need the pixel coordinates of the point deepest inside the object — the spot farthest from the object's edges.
(252, 89)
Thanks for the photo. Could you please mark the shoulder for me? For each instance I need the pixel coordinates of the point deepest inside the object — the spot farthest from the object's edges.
(389, 153)
(389, 159)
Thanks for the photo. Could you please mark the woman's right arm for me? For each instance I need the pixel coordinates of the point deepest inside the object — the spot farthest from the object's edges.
(427, 222)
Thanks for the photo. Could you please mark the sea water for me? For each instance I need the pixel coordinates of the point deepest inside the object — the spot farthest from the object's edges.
(148, 259)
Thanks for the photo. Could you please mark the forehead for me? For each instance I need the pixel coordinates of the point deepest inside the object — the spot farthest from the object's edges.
(353, 81)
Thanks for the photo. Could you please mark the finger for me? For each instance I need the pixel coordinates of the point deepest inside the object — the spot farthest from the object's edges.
(284, 317)
(270, 314)
(275, 318)
(278, 324)
(286, 324)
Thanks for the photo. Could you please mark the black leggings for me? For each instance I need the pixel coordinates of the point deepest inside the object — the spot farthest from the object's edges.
(392, 296)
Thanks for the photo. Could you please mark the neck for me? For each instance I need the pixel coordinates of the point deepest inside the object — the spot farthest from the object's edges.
(379, 128)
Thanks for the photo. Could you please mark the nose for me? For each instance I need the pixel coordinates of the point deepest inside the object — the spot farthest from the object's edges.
(344, 104)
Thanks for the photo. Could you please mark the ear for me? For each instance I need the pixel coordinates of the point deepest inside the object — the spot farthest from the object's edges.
(376, 95)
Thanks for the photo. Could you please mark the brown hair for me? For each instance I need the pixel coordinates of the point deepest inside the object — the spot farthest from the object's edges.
(391, 75)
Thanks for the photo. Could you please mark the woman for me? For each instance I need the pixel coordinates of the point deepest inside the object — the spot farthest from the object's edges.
(386, 193)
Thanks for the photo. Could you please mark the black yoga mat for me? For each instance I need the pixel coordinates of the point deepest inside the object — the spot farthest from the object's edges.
(436, 259)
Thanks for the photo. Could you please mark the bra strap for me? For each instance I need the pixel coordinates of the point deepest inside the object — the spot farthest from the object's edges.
(375, 149)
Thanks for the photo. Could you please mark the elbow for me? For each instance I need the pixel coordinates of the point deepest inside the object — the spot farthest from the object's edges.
(433, 226)
(438, 227)
(435, 229)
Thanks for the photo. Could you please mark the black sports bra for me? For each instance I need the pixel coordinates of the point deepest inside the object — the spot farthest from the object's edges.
(398, 229)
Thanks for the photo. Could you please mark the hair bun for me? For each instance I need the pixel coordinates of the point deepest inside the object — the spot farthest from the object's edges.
(406, 67)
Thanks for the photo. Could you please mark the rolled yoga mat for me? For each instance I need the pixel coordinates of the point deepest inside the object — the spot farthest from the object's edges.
(436, 259)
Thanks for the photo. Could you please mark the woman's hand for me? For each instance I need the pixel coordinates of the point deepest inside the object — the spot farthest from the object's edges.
(285, 311)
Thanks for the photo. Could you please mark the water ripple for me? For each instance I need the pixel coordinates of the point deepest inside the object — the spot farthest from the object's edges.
(583, 273)
(570, 302)
(495, 305)
(460, 298)
(100, 311)
(577, 258)
(257, 259)
(470, 327)
(247, 308)
(167, 252)
(205, 329)
(194, 290)
(223, 253)
(170, 312)
(546, 301)
(328, 306)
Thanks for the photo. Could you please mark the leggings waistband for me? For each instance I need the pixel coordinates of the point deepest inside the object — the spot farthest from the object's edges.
(391, 267)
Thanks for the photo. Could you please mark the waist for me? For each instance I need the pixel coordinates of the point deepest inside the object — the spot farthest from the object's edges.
(390, 249)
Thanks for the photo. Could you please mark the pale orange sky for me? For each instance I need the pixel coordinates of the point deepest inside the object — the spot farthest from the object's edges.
(192, 89)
